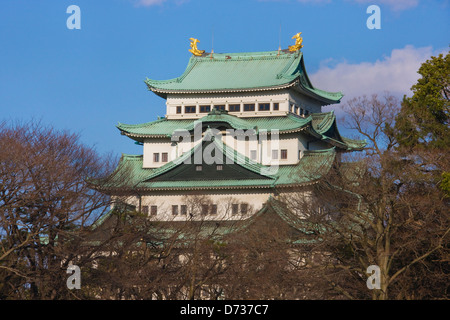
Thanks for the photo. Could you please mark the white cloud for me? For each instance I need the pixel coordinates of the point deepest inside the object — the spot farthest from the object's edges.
(314, 1)
(395, 5)
(395, 73)
(148, 3)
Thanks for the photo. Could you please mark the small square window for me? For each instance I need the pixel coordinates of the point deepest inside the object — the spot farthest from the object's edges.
(244, 208)
(234, 209)
(198, 168)
(205, 209)
(183, 209)
(164, 157)
(156, 157)
(284, 154)
(274, 154)
(249, 107)
(189, 109)
(220, 107)
(178, 109)
(213, 209)
(204, 109)
(219, 167)
(276, 106)
(154, 210)
(264, 107)
(234, 107)
(145, 210)
(175, 210)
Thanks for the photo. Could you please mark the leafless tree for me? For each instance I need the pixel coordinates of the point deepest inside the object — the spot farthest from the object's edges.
(45, 205)
(383, 209)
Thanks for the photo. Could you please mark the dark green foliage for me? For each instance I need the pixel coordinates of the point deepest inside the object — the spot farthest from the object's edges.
(424, 118)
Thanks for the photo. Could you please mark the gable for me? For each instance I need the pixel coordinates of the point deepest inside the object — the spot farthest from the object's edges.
(188, 169)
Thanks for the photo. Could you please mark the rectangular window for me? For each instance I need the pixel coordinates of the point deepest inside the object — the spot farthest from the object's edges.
(164, 157)
(306, 112)
(189, 109)
(205, 208)
(219, 167)
(234, 209)
(154, 210)
(249, 107)
(244, 208)
(145, 210)
(220, 107)
(183, 209)
(234, 107)
(253, 154)
(178, 109)
(284, 154)
(198, 168)
(156, 157)
(276, 106)
(264, 107)
(213, 209)
(204, 109)
(274, 154)
(175, 210)
(301, 111)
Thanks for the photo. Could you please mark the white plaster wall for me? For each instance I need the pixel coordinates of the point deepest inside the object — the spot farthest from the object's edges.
(263, 147)
(296, 200)
(281, 97)
(157, 145)
(223, 200)
(305, 102)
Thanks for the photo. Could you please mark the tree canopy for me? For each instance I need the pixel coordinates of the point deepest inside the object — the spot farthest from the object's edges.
(423, 120)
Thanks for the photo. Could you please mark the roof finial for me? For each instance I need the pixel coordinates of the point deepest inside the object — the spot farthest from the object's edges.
(279, 40)
(298, 43)
(212, 43)
(194, 48)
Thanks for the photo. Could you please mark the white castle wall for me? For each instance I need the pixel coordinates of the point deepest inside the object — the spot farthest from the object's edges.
(294, 143)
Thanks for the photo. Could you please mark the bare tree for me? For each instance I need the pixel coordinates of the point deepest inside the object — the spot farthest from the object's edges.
(383, 209)
(45, 205)
(144, 258)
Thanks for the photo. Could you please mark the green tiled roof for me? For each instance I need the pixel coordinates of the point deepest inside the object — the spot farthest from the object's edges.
(130, 173)
(275, 207)
(316, 124)
(248, 71)
(166, 128)
(218, 230)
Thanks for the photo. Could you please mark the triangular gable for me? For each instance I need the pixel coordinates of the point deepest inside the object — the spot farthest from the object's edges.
(234, 164)
(275, 213)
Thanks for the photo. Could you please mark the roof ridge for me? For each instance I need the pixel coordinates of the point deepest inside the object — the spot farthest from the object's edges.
(160, 119)
(321, 151)
(227, 151)
(127, 155)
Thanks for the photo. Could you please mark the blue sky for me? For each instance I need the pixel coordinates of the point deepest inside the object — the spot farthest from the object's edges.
(88, 80)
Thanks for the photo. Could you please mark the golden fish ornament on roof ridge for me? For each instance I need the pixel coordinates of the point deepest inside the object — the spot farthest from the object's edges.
(195, 51)
(298, 43)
